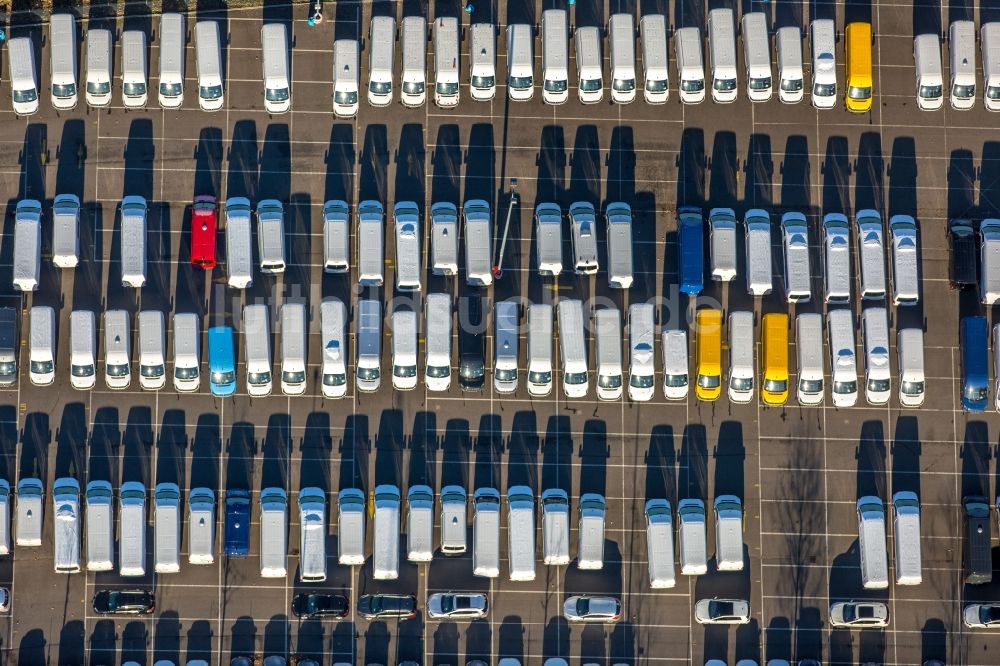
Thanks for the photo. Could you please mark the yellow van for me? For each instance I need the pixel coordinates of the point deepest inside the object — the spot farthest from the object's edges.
(859, 67)
(708, 331)
(774, 357)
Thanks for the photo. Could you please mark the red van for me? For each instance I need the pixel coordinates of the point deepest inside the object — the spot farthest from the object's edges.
(203, 225)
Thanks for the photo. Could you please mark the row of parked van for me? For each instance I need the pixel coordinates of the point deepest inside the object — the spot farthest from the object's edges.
(930, 83)
(873, 558)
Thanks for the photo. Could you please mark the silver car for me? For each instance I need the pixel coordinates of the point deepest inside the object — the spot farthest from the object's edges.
(592, 609)
(722, 611)
(981, 616)
(457, 606)
(861, 614)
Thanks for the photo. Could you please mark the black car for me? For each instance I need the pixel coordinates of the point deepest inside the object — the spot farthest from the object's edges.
(963, 253)
(471, 344)
(320, 605)
(373, 606)
(124, 602)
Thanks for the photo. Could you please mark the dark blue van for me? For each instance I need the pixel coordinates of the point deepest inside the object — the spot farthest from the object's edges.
(237, 522)
(221, 361)
(691, 251)
(974, 340)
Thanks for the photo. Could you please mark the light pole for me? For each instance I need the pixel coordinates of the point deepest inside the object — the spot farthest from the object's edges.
(498, 269)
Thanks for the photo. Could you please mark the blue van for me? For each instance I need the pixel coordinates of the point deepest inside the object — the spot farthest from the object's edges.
(691, 251)
(221, 361)
(237, 522)
(975, 363)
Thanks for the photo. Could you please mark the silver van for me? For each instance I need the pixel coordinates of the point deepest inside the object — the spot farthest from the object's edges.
(912, 381)
(9, 337)
(167, 528)
(420, 524)
(758, 251)
(404, 350)
(66, 230)
(621, 47)
(573, 350)
(336, 237)
(117, 345)
(618, 222)
(520, 62)
(722, 54)
(690, 65)
(27, 245)
(728, 533)
(836, 259)
(294, 342)
(843, 358)
(871, 254)
(590, 548)
(413, 91)
(274, 60)
(28, 527)
(692, 537)
(989, 40)
(385, 560)
(333, 325)
(346, 78)
(453, 520)
(741, 348)
(505, 342)
(369, 345)
(930, 77)
(66, 525)
(371, 236)
(539, 349)
(589, 64)
(809, 345)
(757, 56)
(201, 526)
(444, 238)
(871, 543)
(271, 236)
(482, 61)
(257, 349)
(722, 243)
(555, 56)
(788, 50)
(674, 347)
(23, 75)
(173, 40)
(446, 54)
(903, 263)
(660, 543)
(41, 345)
(351, 510)
(795, 243)
(133, 241)
(381, 60)
(521, 533)
(273, 532)
(583, 234)
(83, 349)
(100, 526)
(62, 61)
(187, 352)
(555, 527)
(98, 80)
(312, 535)
(608, 345)
(641, 333)
(824, 63)
(152, 350)
(486, 533)
(478, 243)
(653, 32)
(548, 238)
(208, 58)
(875, 329)
(409, 266)
(134, 69)
(239, 253)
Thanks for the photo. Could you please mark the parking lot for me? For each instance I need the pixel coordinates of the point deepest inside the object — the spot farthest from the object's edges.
(799, 470)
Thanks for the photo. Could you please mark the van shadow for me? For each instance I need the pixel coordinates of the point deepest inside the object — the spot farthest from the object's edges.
(722, 171)
(989, 180)
(389, 444)
(661, 463)
(423, 447)
(480, 168)
(758, 172)
(522, 452)
(36, 434)
(242, 173)
(836, 172)
(105, 440)
(902, 173)
(315, 451)
(962, 186)
(410, 159)
(975, 454)
(137, 441)
(487, 448)
(594, 455)
(354, 452)
(585, 166)
(693, 473)
(240, 451)
(557, 455)
(906, 449)
(871, 461)
(71, 441)
(868, 170)
(374, 164)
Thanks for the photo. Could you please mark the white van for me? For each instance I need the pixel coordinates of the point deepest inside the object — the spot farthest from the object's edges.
(875, 328)
(757, 56)
(989, 38)
(132, 529)
(66, 230)
(133, 241)
(257, 349)
(653, 33)
(346, 78)
(28, 528)
(98, 67)
(674, 346)
(201, 526)
(437, 342)
(173, 42)
(824, 65)
(167, 528)
(621, 46)
(312, 535)
(239, 255)
(420, 524)
(809, 345)
(134, 69)
(590, 549)
(930, 79)
(413, 91)
(23, 75)
(906, 537)
(539, 349)
(117, 347)
(692, 537)
(83, 349)
(521, 533)
(152, 350)
(273, 532)
(641, 332)
(208, 57)
(989, 261)
(728, 533)
(371, 234)
(589, 64)
(843, 360)
(996, 365)
(903, 263)
(618, 221)
(41, 345)
(381, 60)
(446, 53)
(505, 343)
(486, 533)
(482, 61)
(27, 245)
(187, 352)
(660, 544)
(788, 50)
(962, 46)
(722, 55)
(444, 238)
(520, 62)
(722, 243)
(10, 336)
(453, 520)
(385, 563)
(690, 65)
(583, 234)
(548, 238)
(404, 350)
(336, 236)
(271, 236)
(62, 61)
(836, 259)
(66, 525)
(294, 338)
(758, 251)
(478, 243)
(871, 543)
(351, 509)
(608, 345)
(573, 348)
(555, 527)
(4, 517)
(333, 325)
(100, 526)
(910, 347)
(274, 49)
(795, 243)
(406, 221)
(741, 365)
(369, 345)
(555, 56)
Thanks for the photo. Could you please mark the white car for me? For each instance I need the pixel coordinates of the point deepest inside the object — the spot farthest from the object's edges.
(862, 614)
(722, 611)
(979, 616)
(457, 606)
(592, 609)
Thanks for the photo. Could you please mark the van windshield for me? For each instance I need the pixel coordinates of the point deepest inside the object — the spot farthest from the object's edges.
(741, 383)
(675, 381)
(368, 374)
(258, 377)
(77, 370)
(692, 85)
(210, 92)
(398, 371)
(575, 378)
(98, 88)
(963, 92)
(185, 373)
(623, 85)
(724, 85)
(331, 379)
(293, 377)
(641, 381)
(603, 381)
(791, 85)
(811, 385)
(709, 381)
(151, 370)
(878, 385)
(63, 89)
(444, 88)
(556, 86)
(276, 94)
(591, 85)
(21, 96)
(859, 92)
(170, 89)
(912, 388)
(971, 393)
(481, 82)
(824, 89)
(930, 92)
(656, 86)
(347, 98)
(993, 92)
(520, 82)
(539, 377)
(417, 87)
(380, 87)
(501, 375)
(117, 370)
(438, 371)
(223, 378)
(762, 83)
(845, 388)
(134, 89)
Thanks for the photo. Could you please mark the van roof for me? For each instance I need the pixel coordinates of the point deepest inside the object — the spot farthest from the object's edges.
(871, 535)
(775, 331)
(722, 39)
(687, 43)
(446, 48)
(621, 35)
(756, 51)
(555, 41)
(653, 28)
(571, 333)
(690, 231)
(345, 57)
(859, 52)
(927, 53)
(990, 39)
(351, 523)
